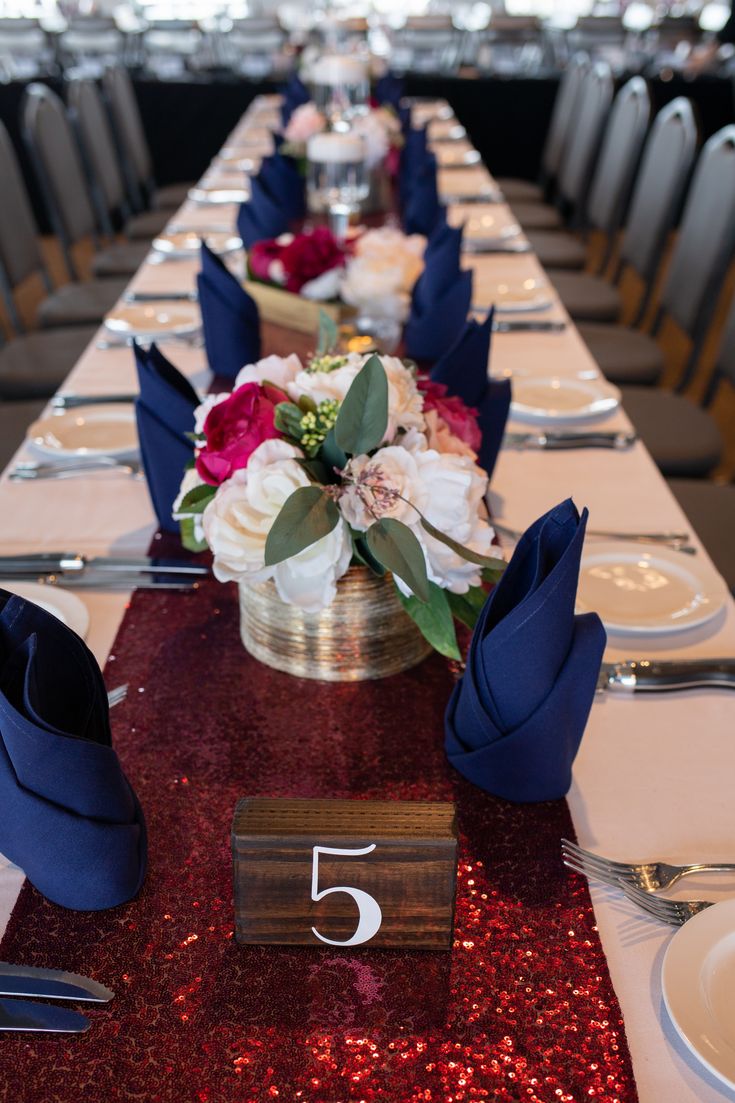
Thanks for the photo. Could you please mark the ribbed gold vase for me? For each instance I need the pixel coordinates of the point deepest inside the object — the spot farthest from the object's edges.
(365, 632)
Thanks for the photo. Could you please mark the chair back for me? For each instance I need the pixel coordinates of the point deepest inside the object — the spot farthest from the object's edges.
(619, 156)
(59, 167)
(725, 362)
(98, 144)
(128, 128)
(596, 93)
(706, 240)
(564, 114)
(19, 250)
(659, 187)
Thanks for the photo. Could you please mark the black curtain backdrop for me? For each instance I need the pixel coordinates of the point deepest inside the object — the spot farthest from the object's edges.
(187, 121)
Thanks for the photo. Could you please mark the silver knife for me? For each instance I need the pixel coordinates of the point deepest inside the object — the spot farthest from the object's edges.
(50, 984)
(105, 580)
(73, 563)
(495, 245)
(40, 1017)
(666, 675)
(161, 297)
(548, 326)
(69, 401)
(551, 441)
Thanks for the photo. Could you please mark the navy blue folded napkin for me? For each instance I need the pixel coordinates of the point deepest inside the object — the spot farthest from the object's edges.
(464, 371)
(164, 412)
(281, 178)
(294, 95)
(263, 216)
(70, 818)
(422, 210)
(441, 266)
(388, 91)
(431, 332)
(229, 317)
(516, 717)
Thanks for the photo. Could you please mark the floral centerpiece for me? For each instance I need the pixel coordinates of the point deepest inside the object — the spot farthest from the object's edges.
(379, 128)
(373, 271)
(305, 472)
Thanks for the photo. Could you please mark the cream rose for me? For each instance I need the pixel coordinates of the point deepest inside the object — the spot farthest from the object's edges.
(279, 370)
(386, 484)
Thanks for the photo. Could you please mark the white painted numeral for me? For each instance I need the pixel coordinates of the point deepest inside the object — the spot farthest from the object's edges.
(370, 915)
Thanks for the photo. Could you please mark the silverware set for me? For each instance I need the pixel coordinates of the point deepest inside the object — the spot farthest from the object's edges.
(69, 569)
(677, 541)
(30, 471)
(560, 439)
(33, 983)
(194, 340)
(72, 401)
(640, 881)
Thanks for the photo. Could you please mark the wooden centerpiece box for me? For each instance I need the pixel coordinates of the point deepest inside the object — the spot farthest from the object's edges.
(345, 872)
(291, 311)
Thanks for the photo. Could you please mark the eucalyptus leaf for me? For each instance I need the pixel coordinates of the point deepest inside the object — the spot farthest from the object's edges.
(467, 607)
(307, 405)
(197, 499)
(395, 546)
(492, 574)
(287, 419)
(188, 537)
(363, 554)
(434, 620)
(306, 516)
(327, 339)
(316, 470)
(332, 454)
(497, 565)
(363, 415)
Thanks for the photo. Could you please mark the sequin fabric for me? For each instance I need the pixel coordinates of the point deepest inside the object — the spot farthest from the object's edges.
(522, 1008)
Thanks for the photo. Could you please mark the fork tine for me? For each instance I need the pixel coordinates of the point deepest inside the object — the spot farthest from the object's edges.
(670, 911)
(597, 863)
(591, 874)
(609, 863)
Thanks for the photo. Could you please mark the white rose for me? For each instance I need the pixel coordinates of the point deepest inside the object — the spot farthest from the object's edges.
(405, 401)
(200, 414)
(387, 484)
(324, 287)
(404, 252)
(279, 370)
(321, 385)
(374, 284)
(309, 579)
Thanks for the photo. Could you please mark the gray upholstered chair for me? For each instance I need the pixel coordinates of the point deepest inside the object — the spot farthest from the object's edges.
(683, 438)
(15, 417)
(74, 304)
(611, 185)
(657, 194)
(93, 129)
(131, 140)
(711, 509)
(66, 187)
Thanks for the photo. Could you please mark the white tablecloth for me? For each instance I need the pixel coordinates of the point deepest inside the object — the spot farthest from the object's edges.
(653, 777)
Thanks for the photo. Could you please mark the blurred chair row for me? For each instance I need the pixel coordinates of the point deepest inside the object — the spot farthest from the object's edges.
(94, 169)
(654, 225)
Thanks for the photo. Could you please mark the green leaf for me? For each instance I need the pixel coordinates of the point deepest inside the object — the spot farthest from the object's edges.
(188, 539)
(197, 499)
(287, 419)
(434, 620)
(497, 565)
(316, 470)
(331, 454)
(307, 405)
(363, 415)
(363, 554)
(306, 516)
(395, 546)
(327, 340)
(466, 607)
(492, 574)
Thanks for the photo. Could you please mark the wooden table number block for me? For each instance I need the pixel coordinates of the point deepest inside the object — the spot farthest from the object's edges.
(344, 872)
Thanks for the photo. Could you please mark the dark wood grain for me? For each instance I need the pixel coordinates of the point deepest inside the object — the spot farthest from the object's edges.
(411, 873)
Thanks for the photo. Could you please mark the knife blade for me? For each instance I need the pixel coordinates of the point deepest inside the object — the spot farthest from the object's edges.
(496, 245)
(528, 326)
(69, 401)
(666, 675)
(50, 984)
(78, 565)
(40, 1017)
(557, 441)
(161, 297)
(105, 580)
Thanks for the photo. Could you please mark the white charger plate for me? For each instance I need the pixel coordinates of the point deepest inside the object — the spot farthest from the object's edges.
(647, 590)
(698, 980)
(218, 195)
(187, 243)
(105, 430)
(69, 608)
(521, 297)
(546, 401)
(151, 320)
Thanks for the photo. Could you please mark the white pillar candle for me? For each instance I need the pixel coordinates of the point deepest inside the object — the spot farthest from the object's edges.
(339, 69)
(335, 148)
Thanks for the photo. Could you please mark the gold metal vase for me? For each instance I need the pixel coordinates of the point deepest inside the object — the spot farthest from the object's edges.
(365, 633)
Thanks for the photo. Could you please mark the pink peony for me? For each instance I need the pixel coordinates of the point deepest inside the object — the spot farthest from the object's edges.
(460, 420)
(261, 257)
(310, 255)
(306, 120)
(234, 429)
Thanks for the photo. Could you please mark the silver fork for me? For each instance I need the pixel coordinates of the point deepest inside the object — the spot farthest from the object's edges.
(674, 912)
(644, 876)
(30, 471)
(116, 695)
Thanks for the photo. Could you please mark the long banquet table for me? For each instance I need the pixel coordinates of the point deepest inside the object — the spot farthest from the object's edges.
(652, 779)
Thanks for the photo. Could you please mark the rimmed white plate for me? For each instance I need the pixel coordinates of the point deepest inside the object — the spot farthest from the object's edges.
(698, 980)
(548, 400)
(521, 297)
(647, 590)
(218, 195)
(449, 157)
(105, 430)
(487, 225)
(151, 320)
(446, 130)
(187, 243)
(69, 608)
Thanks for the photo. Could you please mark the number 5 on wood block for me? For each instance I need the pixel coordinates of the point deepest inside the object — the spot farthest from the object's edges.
(344, 872)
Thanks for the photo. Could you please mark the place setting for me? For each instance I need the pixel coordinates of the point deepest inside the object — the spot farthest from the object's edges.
(168, 321)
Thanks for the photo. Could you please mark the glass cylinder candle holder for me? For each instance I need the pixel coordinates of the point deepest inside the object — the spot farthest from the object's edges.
(341, 87)
(338, 180)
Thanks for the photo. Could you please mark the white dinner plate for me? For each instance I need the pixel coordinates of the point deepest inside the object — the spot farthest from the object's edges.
(151, 320)
(647, 590)
(546, 400)
(218, 195)
(105, 430)
(698, 981)
(493, 223)
(449, 157)
(69, 608)
(446, 130)
(187, 243)
(521, 297)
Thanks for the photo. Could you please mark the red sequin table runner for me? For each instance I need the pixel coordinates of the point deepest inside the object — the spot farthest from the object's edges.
(521, 1009)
